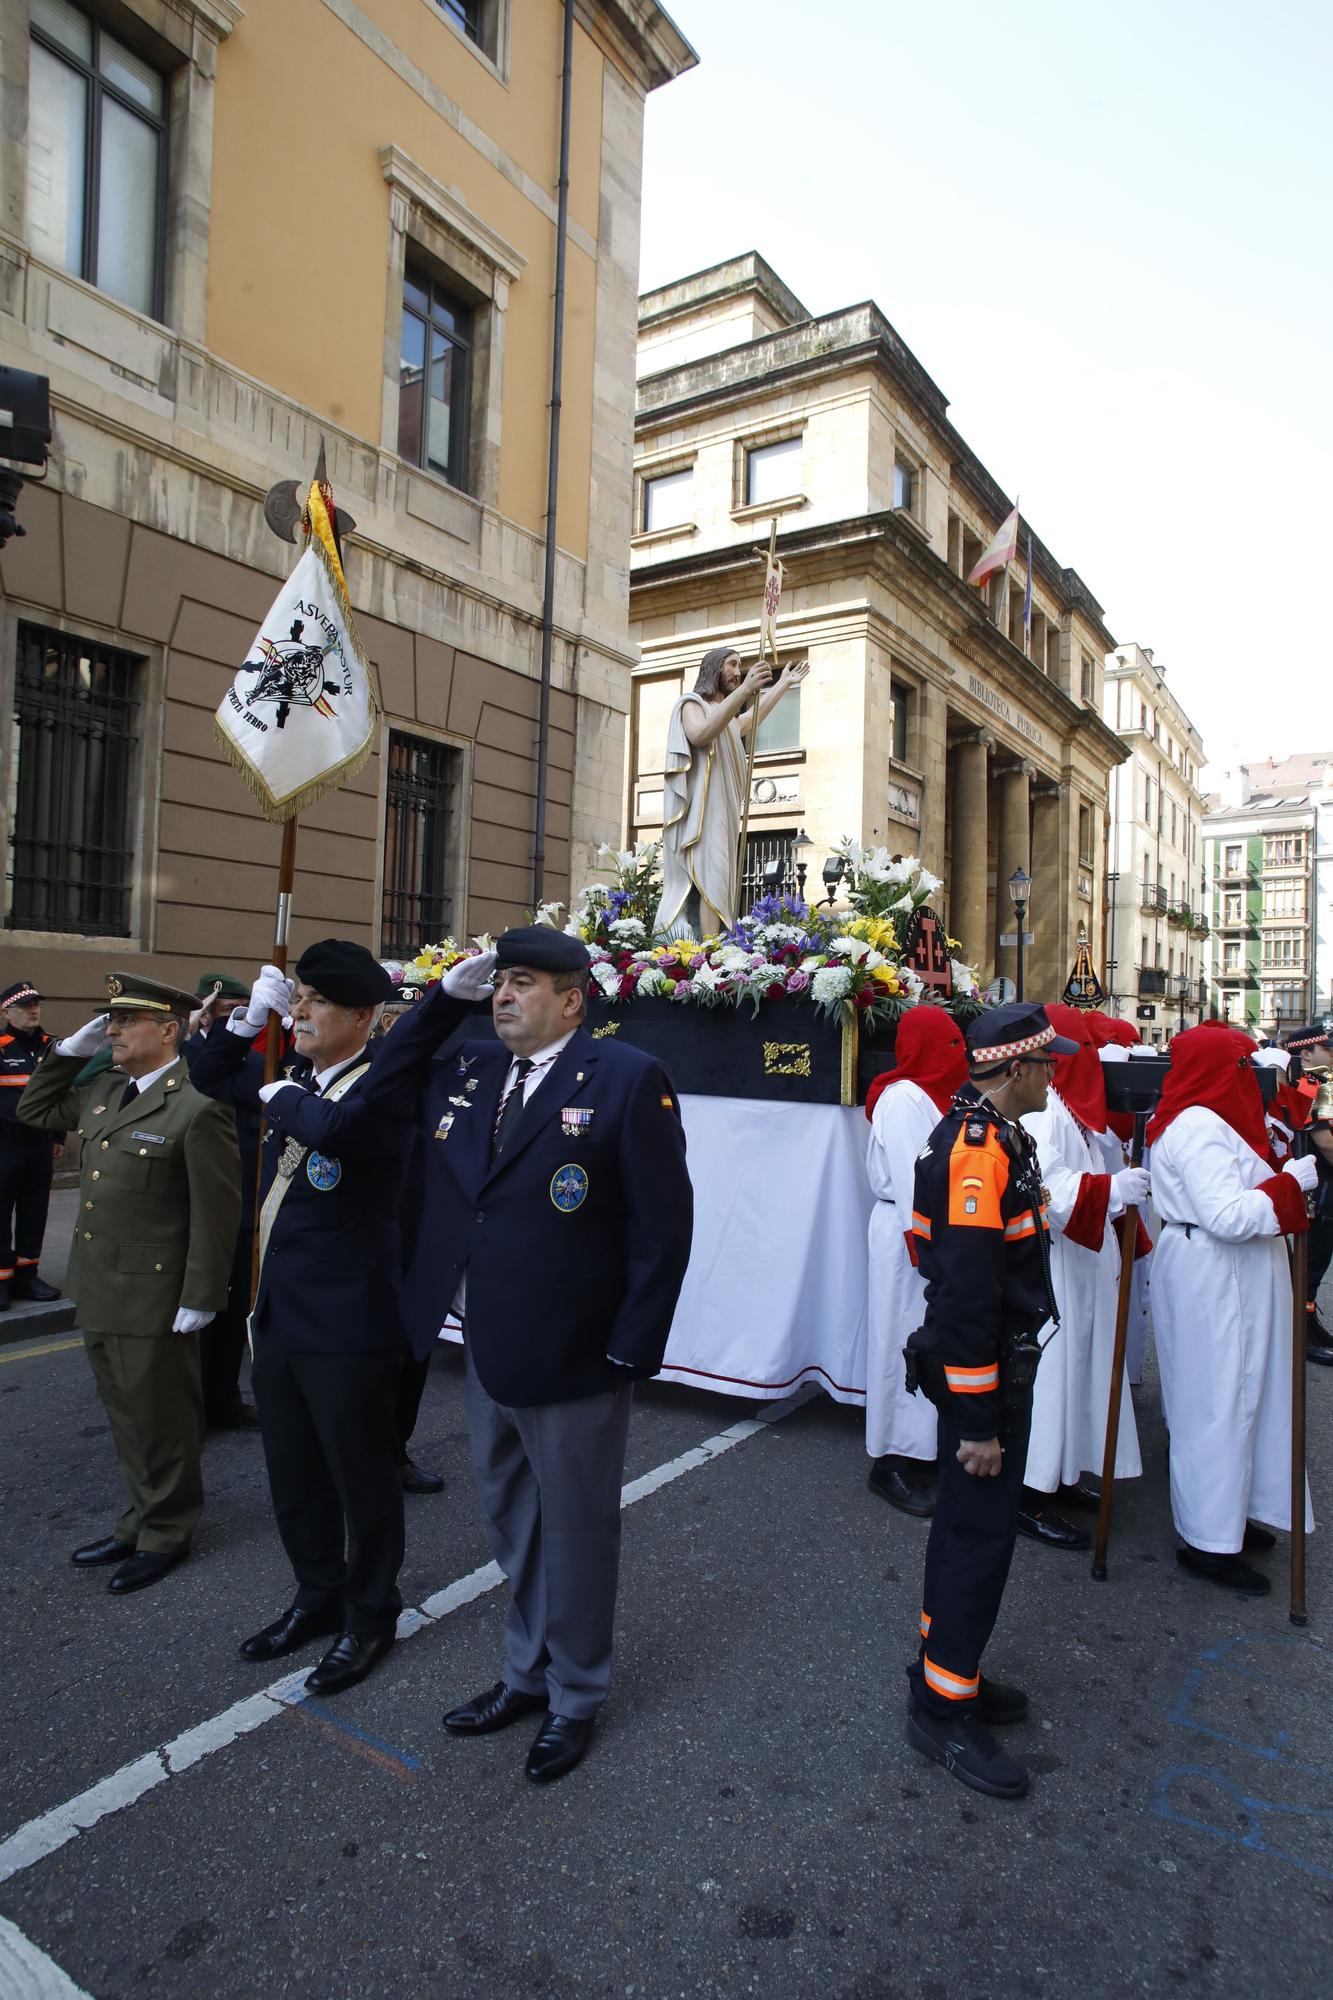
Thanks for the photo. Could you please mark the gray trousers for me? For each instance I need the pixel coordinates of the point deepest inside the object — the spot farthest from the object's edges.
(548, 1477)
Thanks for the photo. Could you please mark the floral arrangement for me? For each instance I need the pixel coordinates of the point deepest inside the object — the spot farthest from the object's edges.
(841, 961)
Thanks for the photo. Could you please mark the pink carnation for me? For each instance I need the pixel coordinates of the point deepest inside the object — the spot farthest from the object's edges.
(797, 981)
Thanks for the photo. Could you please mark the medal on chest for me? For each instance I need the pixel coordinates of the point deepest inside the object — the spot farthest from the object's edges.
(575, 1120)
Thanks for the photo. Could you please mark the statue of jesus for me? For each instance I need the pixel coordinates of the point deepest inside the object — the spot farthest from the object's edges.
(705, 789)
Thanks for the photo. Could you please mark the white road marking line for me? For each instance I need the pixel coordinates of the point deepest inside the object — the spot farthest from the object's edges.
(28, 1974)
(41, 1836)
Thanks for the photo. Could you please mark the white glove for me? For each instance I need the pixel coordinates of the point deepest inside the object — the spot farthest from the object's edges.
(1131, 1186)
(268, 1090)
(1304, 1172)
(270, 994)
(85, 1041)
(188, 1321)
(470, 979)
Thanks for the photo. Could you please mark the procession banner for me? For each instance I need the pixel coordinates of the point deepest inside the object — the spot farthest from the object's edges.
(300, 717)
(768, 614)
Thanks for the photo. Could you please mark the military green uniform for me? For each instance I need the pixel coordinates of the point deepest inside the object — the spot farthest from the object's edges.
(159, 1205)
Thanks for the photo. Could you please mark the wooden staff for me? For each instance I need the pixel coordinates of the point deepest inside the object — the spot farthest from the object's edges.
(1129, 1230)
(754, 730)
(1300, 1272)
(273, 1044)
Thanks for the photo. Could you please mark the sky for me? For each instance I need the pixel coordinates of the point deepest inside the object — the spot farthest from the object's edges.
(1104, 231)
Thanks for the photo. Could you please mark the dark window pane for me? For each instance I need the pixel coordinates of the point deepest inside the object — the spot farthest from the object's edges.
(411, 384)
(419, 844)
(441, 401)
(781, 729)
(76, 720)
(416, 292)
(466, 14)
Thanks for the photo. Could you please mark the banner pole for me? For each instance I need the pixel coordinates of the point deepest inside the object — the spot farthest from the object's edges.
(1128, 1237)
(1300, 1270)
(273, 1040)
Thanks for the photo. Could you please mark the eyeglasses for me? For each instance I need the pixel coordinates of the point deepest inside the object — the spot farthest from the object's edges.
(1047, 1062)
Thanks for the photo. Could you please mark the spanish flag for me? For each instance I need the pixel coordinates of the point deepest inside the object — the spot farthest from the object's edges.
(1000, 553)
(300, 717)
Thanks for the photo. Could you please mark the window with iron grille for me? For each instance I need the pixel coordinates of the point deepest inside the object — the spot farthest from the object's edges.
(420, 844)
(76, 714)
(770, 866)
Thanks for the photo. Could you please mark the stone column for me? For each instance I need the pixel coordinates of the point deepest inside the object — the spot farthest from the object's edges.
(1044, 971)
(968, 884)
(1015, 851)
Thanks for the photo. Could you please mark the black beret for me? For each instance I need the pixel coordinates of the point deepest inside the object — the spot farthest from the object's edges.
(1021, 1029)
(21, 994)
(345, 973)
(543, 949)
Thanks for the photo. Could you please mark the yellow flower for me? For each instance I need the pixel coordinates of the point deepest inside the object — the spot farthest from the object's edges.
(887, 977)
(875, 932)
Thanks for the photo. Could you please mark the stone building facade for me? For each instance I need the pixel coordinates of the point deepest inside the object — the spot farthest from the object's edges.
(1268, 846)
(1157, 903)
(226, 233)
(923, 726)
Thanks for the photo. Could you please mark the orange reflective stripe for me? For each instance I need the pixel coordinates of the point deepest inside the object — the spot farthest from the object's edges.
(954, 1687)
(978, 1177)
(921, 1224)
(14, 1082)
(972, 1381)
(1022, 1225)
(925, 1623)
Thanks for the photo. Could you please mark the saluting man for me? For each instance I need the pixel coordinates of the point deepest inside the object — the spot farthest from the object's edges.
(557, 1218)
(27, 1158)
(984, 1251)
(327, 1327)
(159, 1199)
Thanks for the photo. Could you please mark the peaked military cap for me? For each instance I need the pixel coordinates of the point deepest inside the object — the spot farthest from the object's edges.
(1020, 1029)
(21, 994)
(131, 993)
(1313, 1037)
(345, 973)
(542, 948)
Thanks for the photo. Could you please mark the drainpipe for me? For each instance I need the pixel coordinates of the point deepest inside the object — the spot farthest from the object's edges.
(553, 465)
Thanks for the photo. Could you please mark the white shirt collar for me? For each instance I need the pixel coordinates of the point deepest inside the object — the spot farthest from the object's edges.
(549, 1053)
(143, 1083)
(323, 1078)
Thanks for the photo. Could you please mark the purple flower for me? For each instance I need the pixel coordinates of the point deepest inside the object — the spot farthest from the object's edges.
(797, 981)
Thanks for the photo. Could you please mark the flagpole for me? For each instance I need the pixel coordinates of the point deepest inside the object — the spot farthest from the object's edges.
(754, 731)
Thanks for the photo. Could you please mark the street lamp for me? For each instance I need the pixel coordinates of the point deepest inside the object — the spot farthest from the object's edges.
(834, 870)
(1182, 992)
(799, 848)
(1020, 884)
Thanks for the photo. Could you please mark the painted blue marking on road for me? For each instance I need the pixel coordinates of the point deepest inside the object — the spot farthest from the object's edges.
(325, 1714)
(1254, 1812)
(1274, 1751)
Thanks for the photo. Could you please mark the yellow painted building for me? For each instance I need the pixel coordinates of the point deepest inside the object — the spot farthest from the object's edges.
(228, 232)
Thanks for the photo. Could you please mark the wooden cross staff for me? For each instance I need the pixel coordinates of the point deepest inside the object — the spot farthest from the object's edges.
(768, 656)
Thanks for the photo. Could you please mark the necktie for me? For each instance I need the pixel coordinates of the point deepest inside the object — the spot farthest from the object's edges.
(511, 1105)
(130, 1092)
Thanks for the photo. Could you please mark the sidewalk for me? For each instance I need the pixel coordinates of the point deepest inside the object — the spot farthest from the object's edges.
(26, 1319)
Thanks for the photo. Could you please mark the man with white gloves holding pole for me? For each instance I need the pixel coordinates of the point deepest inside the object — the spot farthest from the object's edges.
(1222, 1305)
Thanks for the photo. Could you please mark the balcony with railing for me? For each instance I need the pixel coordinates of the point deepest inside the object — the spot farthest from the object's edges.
(1153, 898)
(1152, 983)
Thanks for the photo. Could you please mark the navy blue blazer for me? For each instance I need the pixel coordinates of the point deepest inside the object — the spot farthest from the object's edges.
(575, 1242)
(331, 1279)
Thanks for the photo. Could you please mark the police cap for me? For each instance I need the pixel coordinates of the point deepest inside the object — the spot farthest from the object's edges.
(1003, 1033)
(345, 973)
(21, 994)
(542, 949)
(227, 987)
(1314, 1037)
(131, 993)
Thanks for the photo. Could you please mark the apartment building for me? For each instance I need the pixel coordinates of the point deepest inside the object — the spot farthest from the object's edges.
(1268, 844)
(1157, 903)
(228, 232)
(931, 721)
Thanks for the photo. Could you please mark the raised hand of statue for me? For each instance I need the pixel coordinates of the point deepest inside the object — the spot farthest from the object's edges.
(793, 674)
(757, 679)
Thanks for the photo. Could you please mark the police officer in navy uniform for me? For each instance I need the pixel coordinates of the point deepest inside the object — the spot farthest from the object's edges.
(557, 1215)
(27, 1157)
(327, 1329)
(1314, 1045)
(983, 1248)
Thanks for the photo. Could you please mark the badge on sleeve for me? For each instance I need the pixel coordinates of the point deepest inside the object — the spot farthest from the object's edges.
(322, 1172)
(569, 1188)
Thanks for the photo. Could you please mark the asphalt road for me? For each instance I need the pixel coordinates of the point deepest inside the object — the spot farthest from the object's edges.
(749, 1820)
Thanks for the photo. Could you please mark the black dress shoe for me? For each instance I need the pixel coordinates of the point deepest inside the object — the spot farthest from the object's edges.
(909, 1496)
(559, 1745)
(296, 1628)
(4, 1294)
(1258, 1541)
(967, 1750)
(1080, 1497)
(413, 1478)
(998, 1704)
(144, 1567)
(495, 1709)
(1317, 1350)
(1228, 1570)
(27, 1285)
(1036, 1519)
(238, 1416)
(348, 1661)
(93, 1554)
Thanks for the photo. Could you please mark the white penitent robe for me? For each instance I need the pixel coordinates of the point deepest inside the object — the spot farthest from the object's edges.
(896, 1423)
(1073, 1387)
(1222, 1316)
(701, 822)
